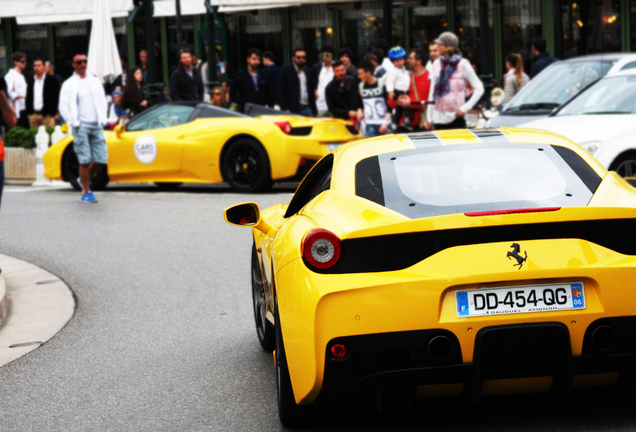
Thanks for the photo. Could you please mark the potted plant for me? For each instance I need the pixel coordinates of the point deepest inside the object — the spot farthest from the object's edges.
(20, 161)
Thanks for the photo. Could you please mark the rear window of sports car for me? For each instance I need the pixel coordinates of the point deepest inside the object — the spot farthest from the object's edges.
(439, 180)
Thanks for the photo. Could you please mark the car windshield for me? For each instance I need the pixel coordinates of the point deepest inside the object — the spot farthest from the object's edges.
(611, 95)
(557, 84)
(160, 117)
(441, 180)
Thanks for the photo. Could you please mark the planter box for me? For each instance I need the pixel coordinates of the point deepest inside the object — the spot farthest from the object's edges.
(19, 166)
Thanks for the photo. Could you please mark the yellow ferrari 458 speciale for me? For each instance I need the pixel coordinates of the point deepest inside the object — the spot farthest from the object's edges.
(450, 263)
(199, 143)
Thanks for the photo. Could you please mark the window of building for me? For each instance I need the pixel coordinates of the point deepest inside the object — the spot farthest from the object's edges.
(591, 27)
(70, 38)
(427, 23)
(140, 44)
(363, 27)
(470, 33)
(265, 32)
(119, 26)
(311, 29)
(33, 40)
(521, 23)
(174, 44)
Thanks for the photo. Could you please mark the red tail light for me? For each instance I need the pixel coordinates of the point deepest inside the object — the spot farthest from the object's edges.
(513, 211)
(321, 248)
(356, 125)
(338, 351)
(286, 127)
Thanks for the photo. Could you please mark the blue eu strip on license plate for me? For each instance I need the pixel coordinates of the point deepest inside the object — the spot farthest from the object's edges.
(520, 299)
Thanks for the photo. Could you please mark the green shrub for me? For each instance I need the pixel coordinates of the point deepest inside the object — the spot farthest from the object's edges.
(20, 137)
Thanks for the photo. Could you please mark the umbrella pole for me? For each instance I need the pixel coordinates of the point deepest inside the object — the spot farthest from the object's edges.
(152, 57)
(210, 12)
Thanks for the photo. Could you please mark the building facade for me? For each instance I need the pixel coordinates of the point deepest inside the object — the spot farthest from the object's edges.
(572, 28)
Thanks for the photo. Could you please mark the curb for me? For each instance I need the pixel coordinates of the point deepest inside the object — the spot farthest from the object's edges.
(38, 305)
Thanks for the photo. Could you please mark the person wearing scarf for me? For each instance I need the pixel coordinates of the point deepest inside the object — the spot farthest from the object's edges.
(450, 76)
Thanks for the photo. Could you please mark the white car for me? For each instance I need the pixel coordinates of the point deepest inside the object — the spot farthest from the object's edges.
(556, 84)
(602, 120)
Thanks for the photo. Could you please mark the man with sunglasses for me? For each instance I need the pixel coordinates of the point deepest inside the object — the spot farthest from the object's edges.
(294, 92)
(83, 106)
(323, 75)
(17, 88)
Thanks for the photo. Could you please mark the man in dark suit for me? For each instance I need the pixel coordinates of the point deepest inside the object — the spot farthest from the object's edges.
(295, 92)
(271, 69)
(252, 85)
(43, 96)
(185, 82)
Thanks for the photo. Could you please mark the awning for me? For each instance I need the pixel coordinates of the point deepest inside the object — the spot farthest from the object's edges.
(56, 11)
(167, 8)
(51, 11)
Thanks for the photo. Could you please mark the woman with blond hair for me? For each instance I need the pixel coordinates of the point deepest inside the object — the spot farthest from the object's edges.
(515, 79)
(218, 97)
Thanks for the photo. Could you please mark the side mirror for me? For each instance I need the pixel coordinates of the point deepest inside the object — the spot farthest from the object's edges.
(248, 215)
(119, 130)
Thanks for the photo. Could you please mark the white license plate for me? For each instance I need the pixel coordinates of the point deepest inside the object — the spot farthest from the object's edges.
(333, 146)
(520, 299)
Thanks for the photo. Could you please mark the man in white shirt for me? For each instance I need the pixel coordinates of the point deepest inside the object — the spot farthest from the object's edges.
(17, 88)
(433, 53)
(83, 106)
(43, 95)
(323, 75)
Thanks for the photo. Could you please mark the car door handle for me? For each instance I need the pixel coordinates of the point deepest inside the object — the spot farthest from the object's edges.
(181, 136)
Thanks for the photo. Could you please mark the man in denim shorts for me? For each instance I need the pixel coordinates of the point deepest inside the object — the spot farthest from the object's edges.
(83, 106)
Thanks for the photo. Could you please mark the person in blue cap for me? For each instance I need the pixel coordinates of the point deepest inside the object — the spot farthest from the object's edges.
(397, 83)
(115, 111)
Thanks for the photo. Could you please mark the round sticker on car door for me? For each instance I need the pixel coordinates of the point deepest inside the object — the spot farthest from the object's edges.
(145, 149)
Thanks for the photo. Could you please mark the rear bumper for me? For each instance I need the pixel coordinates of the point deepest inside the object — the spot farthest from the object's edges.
(535, 357)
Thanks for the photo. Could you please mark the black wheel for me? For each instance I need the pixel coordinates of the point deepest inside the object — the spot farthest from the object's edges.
(168, 185)
(70, 168)
(289, 412)
(625, 165)
(245, 166)
(264, 329)
(101, 179)
(70, 171)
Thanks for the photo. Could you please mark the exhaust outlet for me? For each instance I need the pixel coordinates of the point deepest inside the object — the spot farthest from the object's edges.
(604, 338)
(440, 348)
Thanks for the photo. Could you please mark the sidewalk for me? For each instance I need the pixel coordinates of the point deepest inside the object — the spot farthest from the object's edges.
(36, 305)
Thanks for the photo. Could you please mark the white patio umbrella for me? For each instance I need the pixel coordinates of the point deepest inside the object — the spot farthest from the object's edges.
(103, 55)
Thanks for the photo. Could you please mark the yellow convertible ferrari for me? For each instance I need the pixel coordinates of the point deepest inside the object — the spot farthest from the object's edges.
(449, 263)
(198, 143)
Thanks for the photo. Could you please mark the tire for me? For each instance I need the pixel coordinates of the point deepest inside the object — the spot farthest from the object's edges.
(70, 168)
(70, 171)
(264, 329)
(289, 412)
(625, 164)
(101, 179)
(168, 185)
(245, 166)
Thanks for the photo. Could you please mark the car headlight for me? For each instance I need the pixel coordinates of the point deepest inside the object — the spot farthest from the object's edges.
(591, 146)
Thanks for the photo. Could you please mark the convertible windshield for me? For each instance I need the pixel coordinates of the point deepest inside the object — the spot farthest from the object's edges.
(559, 83)
(440, 180)
(161, 116)
(612, 95)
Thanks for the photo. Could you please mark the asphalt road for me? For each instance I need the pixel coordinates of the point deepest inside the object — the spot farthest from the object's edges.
(163, 337)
